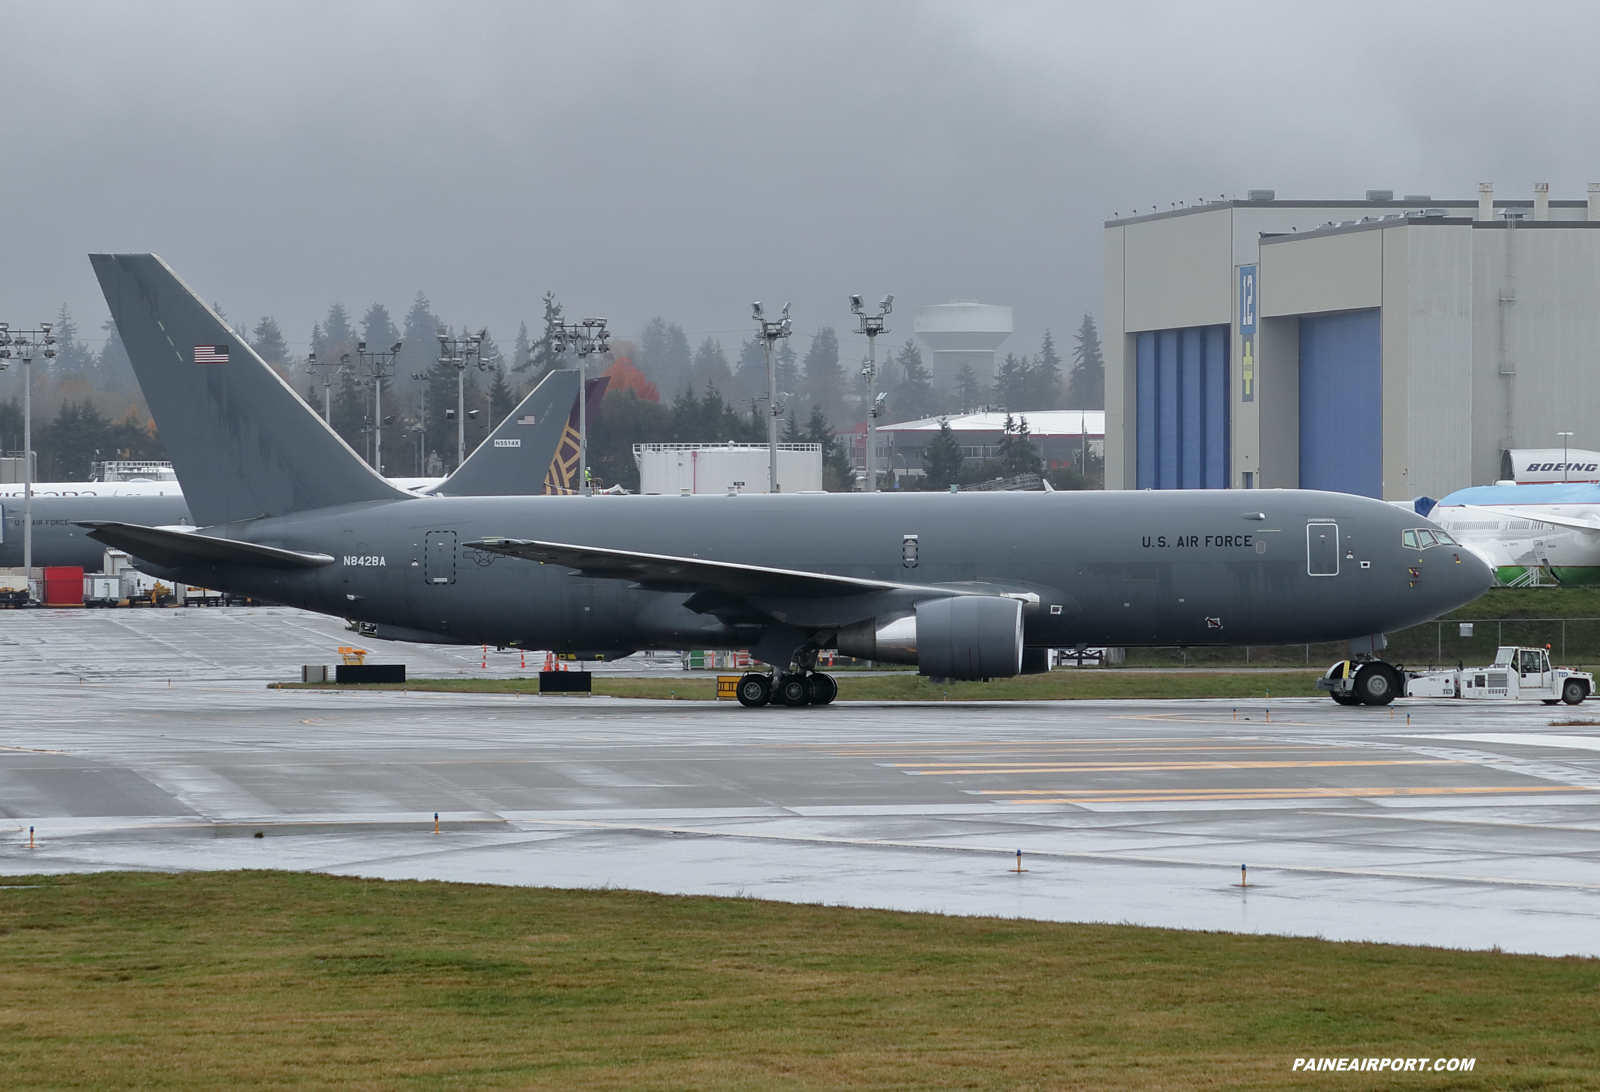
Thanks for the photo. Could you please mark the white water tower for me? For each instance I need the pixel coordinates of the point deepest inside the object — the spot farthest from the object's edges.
(962, 332)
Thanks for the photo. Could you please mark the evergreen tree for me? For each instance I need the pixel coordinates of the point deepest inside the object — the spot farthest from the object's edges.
(823, 383)
(792, 433)
(968, 392)
(319, 343)
(1088, 385)
(943, 459)
(914, 399)
(502, 399)
(1046, 375)
(1017, 453)
(666, 359)
(522, 352)
(786, 368)
(710, 366)
(1011, 386)
(378, 329)
(838, 469)
(542, 358)
(750, 373)
(268, 342)
(419, 342)
(72, 355)
(339, 335)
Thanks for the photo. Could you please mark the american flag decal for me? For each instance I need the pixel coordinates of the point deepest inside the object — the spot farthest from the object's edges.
(526, 419)
(210, 354)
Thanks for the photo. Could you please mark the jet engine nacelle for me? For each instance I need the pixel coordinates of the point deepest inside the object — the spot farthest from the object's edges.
(963, 637)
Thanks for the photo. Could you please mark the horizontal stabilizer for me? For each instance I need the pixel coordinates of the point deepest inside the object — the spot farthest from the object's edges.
(172, 549)
(1575, 523)
(693, 574)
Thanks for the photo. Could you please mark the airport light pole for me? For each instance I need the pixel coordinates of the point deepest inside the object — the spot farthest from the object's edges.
(872, 326)
(327, 384)
(422, 419)
(769, 333)
(1566, 439)
(24, 344)
(378, 365)
(460, 353)
(588, 336)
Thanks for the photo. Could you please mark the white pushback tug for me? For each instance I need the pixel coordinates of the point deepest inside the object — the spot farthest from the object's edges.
(1517, 674)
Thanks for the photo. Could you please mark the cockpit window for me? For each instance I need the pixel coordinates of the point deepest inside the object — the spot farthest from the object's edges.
(1422, 538)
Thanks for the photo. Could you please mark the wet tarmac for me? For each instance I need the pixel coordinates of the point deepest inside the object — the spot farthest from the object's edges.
(1473, 825)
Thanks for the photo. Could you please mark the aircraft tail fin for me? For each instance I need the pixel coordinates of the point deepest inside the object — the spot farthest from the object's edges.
(561, 478)
(515, 460)
(242, 442)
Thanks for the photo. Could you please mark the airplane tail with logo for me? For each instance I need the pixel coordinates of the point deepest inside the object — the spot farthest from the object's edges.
(243, 444)
(523, 455)
(561, 478)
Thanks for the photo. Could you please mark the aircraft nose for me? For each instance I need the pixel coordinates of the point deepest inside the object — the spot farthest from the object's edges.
(1472, 575)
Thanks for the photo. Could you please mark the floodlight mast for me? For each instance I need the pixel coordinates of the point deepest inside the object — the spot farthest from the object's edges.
(24, 345)
(1566, 439)
(459, 353)
(379, 366)
(588, 336)
(769, 333)
(872, 326)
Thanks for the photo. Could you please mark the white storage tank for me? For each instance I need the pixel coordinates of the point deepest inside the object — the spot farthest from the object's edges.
(962, 332)
(726, 468)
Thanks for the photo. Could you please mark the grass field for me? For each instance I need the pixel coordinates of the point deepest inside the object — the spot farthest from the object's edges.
(904, 686)
(261, 980)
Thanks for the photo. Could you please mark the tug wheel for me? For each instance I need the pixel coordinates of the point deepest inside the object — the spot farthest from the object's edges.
(1574, 691)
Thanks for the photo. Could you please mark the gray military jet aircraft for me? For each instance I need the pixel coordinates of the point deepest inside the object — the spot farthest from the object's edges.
(965, 585)
(533, 451)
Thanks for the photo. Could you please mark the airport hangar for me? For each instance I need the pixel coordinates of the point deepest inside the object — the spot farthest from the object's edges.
(1386, 347)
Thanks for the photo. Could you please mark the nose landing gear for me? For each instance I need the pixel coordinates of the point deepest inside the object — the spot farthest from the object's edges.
(792, 689)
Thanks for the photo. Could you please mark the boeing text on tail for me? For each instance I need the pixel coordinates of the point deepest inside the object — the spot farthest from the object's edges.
(969, 585)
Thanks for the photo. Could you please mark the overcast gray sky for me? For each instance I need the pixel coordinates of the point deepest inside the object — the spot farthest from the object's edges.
(682, 159)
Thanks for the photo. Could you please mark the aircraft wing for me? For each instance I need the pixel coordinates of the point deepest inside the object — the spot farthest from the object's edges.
(1576, 523)
(173, 549)
(663, 571)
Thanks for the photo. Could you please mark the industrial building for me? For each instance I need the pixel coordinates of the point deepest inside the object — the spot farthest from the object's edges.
(1387, 347)
(1060, 436)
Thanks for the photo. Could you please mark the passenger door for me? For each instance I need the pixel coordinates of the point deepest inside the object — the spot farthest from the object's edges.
(1322, 548)
(439, 557)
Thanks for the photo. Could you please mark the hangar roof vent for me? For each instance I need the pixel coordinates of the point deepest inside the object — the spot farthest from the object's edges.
(1418, 198)
(1380, 195)
(1263, 195)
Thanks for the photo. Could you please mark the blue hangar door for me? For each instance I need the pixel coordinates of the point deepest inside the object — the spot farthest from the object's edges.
(1183, 408)
(1341, 403)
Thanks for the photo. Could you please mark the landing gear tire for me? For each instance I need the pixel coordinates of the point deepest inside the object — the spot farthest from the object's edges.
(755, 691)
(1574, 692)
(791, 690)
(1377, 683)
(1346, 699)
(822, 688)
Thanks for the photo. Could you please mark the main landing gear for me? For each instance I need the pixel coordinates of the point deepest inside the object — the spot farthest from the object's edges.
(793, 689)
